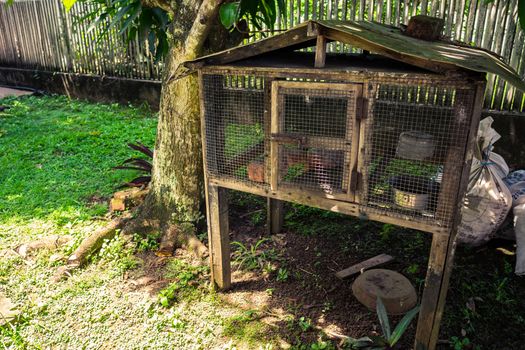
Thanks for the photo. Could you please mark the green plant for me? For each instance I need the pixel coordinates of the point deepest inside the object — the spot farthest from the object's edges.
(294, 171)
(188, 279)
(304, 323)
(146, 243)
(388, 339)
(282, 275)
(322, 345)
(386, 230)
(458, 343)
(114, 251)
(140, 164)
(252, 257)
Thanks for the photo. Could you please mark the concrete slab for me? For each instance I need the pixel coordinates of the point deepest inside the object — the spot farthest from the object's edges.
(4, 92)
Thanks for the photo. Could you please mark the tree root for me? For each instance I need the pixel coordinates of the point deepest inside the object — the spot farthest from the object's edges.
(92, 243)
(175, 235)
(50, 243)
(181, 235)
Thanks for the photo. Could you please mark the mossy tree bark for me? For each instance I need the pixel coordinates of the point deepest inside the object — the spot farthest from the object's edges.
(176, 189)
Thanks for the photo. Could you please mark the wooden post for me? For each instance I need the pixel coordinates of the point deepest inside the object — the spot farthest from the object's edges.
(443, 247)
(439, 267)
(219, 236)
(275, 217)
(275, 214)
(320, 51)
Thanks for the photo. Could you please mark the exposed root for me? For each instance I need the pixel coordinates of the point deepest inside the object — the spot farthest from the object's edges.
(50, 243)
(92, 243)
(181, 235)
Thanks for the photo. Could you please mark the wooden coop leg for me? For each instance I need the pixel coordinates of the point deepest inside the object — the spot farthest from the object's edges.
(219, 236)
(320, 51)
(436, 285)
(275, 215)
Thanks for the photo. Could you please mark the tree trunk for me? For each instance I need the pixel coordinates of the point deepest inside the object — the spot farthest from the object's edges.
(176, 189)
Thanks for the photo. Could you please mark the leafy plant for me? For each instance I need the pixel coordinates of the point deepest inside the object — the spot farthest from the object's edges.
(462, 344)
(146, 243)
(130, 18)
(388, 339)
(282, 275)
(305, 324)
(133, 19)
(386, 230)
(140, 164)
(187, 278)
(252, 257)
(115, 252)
(256, 12)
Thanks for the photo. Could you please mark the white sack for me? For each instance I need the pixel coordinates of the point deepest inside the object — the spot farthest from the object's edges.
(488, 199)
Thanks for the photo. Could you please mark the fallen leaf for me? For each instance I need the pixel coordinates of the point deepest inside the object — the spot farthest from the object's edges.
(7, 310)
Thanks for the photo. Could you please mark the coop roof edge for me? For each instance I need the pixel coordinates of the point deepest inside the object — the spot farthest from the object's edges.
(436, 56)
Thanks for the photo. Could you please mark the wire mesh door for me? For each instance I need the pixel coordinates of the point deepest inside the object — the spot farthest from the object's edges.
(314, 137)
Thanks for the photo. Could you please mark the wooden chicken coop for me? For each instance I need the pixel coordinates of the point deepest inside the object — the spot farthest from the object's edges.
(385, 134)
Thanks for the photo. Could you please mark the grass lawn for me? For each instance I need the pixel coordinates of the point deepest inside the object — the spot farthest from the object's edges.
(56, 157)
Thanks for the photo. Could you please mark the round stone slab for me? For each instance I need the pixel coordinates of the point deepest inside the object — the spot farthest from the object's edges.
(394, 289)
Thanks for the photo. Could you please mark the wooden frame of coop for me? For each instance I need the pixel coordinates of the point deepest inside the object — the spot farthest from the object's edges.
(350, 123)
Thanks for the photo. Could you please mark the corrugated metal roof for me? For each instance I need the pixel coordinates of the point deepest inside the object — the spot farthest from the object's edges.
(437, 56)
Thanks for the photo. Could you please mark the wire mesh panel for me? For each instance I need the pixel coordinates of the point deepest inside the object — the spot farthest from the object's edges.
(234, 120)
(314, 131)
(414, 147)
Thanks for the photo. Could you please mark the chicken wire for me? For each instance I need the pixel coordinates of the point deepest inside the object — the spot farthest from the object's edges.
(409, 134)
(406, 138)
(235, 129)
(316, 125)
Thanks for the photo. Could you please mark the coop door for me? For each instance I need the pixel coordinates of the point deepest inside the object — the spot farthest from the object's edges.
(314, 136)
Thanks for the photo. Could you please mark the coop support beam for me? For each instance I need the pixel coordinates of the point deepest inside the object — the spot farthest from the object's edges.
(275, 215)
(320, 51)
(219, 238)
(432, 303)
(443, 246)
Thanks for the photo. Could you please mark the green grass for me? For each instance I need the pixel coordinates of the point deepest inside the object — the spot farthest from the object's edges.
(55, 154)
(56, 157)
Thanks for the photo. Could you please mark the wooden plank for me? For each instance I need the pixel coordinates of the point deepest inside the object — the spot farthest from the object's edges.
(455, 155)
(219, 237)
(325, 201)
(217, 217)
(297, 35)
(364, 265)
(320, 52)
(274, 128)
(359, 113)
(363, 152)
(440, 251)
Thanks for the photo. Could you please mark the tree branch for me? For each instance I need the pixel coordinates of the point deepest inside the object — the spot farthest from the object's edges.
(162, 4)
(200, 29)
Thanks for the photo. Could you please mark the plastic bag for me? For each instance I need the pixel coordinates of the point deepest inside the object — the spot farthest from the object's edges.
(488, 199)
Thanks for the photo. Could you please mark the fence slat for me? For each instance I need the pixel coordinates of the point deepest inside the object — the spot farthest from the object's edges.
(40, 34)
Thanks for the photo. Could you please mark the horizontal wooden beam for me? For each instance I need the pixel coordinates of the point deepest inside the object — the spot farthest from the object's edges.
(326, 201)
